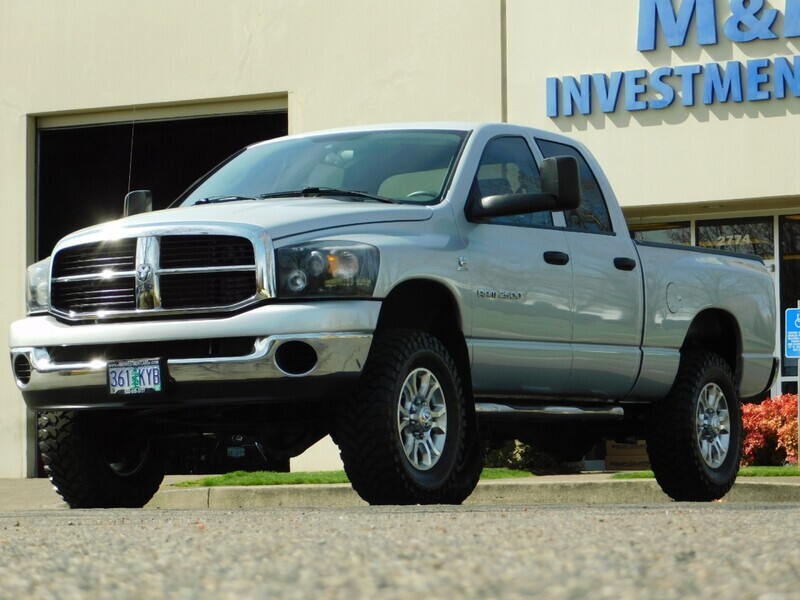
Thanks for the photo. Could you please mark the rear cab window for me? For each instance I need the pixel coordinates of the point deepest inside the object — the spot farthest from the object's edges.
(592, 215)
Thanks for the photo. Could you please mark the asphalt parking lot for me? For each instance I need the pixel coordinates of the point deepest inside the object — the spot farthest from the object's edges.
(572, 552)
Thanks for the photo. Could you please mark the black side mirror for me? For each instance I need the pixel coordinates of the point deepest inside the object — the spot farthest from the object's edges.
(137, 202)
(561, 178)
(561, 190)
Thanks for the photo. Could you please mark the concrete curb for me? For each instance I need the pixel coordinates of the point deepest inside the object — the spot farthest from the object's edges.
(272, 496)
(586, 489)
(488, 493)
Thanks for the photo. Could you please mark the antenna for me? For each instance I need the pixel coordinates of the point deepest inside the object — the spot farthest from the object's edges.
(130, 162)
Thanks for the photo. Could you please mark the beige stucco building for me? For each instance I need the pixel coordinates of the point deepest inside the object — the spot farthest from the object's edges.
(717, 169)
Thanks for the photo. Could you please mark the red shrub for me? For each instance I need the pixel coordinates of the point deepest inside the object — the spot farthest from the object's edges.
(770, 431)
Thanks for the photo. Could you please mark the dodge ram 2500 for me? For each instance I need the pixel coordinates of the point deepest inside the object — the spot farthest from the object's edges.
(416, 291)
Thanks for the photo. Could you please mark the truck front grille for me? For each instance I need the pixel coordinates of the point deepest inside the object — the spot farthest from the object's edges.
(90, 259)
(188, 251)
(195, 290)
(151, 275)
(94, 295)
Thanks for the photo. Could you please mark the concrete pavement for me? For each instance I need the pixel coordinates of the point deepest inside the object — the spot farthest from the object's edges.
(585, 488)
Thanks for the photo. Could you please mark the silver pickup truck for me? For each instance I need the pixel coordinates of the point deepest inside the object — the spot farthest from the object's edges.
(417, 292)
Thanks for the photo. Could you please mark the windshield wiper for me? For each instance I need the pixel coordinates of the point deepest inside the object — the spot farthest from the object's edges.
(313, 192)
(215, 199)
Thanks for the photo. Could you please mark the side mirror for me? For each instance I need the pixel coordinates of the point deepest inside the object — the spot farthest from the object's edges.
(561, 190)
(137, 202)
(561, 178)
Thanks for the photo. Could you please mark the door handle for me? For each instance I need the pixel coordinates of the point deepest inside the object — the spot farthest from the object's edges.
(624, 264)
(556, 258)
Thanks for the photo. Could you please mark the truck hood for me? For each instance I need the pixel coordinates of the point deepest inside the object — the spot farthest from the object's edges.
(280, 217)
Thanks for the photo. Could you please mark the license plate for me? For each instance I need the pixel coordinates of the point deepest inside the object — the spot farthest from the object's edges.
(142, 376)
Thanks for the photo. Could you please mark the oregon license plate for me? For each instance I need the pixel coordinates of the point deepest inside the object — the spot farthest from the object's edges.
(141, 376)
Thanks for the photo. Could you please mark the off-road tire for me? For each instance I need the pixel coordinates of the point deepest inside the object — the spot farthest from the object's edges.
(675, 429)
(370, 435)
(75, 448)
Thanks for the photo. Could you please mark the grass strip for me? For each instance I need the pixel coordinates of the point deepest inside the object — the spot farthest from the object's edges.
(788, 471)
(242, 478)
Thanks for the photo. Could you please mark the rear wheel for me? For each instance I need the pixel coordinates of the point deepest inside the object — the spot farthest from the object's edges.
(405, 437)
(94, 461)
(695, 433)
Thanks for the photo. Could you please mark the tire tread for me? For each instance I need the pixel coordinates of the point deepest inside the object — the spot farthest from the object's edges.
(365, 429)
(678, 468)
(72, 461)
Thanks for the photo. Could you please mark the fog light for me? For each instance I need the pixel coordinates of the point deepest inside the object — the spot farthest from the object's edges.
(22, 369)
(295, 358)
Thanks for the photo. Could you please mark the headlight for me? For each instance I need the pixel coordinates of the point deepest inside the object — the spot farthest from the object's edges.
(327, 269)
(37, 292)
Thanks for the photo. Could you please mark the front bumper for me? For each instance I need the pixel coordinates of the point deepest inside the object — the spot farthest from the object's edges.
(266, 372)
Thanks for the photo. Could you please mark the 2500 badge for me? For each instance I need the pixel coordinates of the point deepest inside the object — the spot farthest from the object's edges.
(499, 294)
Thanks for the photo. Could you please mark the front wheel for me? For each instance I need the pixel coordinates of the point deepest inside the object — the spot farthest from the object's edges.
(95, 461)
(405, 436)
(695, 433)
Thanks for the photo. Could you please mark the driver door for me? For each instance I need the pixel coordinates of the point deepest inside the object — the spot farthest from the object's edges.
(522, 289)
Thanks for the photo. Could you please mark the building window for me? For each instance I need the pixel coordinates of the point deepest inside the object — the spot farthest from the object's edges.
(789, 241)
(746, 236)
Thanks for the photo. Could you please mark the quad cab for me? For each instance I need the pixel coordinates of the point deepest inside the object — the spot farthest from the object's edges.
(413, 290)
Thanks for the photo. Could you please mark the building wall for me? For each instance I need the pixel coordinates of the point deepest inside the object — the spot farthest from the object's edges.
(704, 154)
(332, 63)
(359, 61)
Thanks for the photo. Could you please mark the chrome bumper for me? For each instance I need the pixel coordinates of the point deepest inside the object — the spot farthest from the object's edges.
(334, 339)
(336, 353)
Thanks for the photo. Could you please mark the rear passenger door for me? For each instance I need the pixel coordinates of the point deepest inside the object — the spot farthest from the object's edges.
(522, 284)
(607, 326)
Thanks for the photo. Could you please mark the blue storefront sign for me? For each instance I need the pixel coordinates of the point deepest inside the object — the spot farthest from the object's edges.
(754, 80)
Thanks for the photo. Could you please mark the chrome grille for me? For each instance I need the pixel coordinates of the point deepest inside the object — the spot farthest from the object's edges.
(90, 259)
(195, 290)
(93, 295)
(149, 275)
(186, 251)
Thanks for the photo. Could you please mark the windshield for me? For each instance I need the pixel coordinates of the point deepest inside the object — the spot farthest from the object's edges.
(402, 166)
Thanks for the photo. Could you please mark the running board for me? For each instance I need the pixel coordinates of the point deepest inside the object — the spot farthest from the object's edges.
(578, 413)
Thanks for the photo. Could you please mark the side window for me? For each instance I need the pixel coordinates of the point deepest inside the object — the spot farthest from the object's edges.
(508, 167)
(592, 214)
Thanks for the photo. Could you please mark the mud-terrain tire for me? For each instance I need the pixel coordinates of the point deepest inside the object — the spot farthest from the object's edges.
(695, 433)
(95, 463)
(405, 436)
